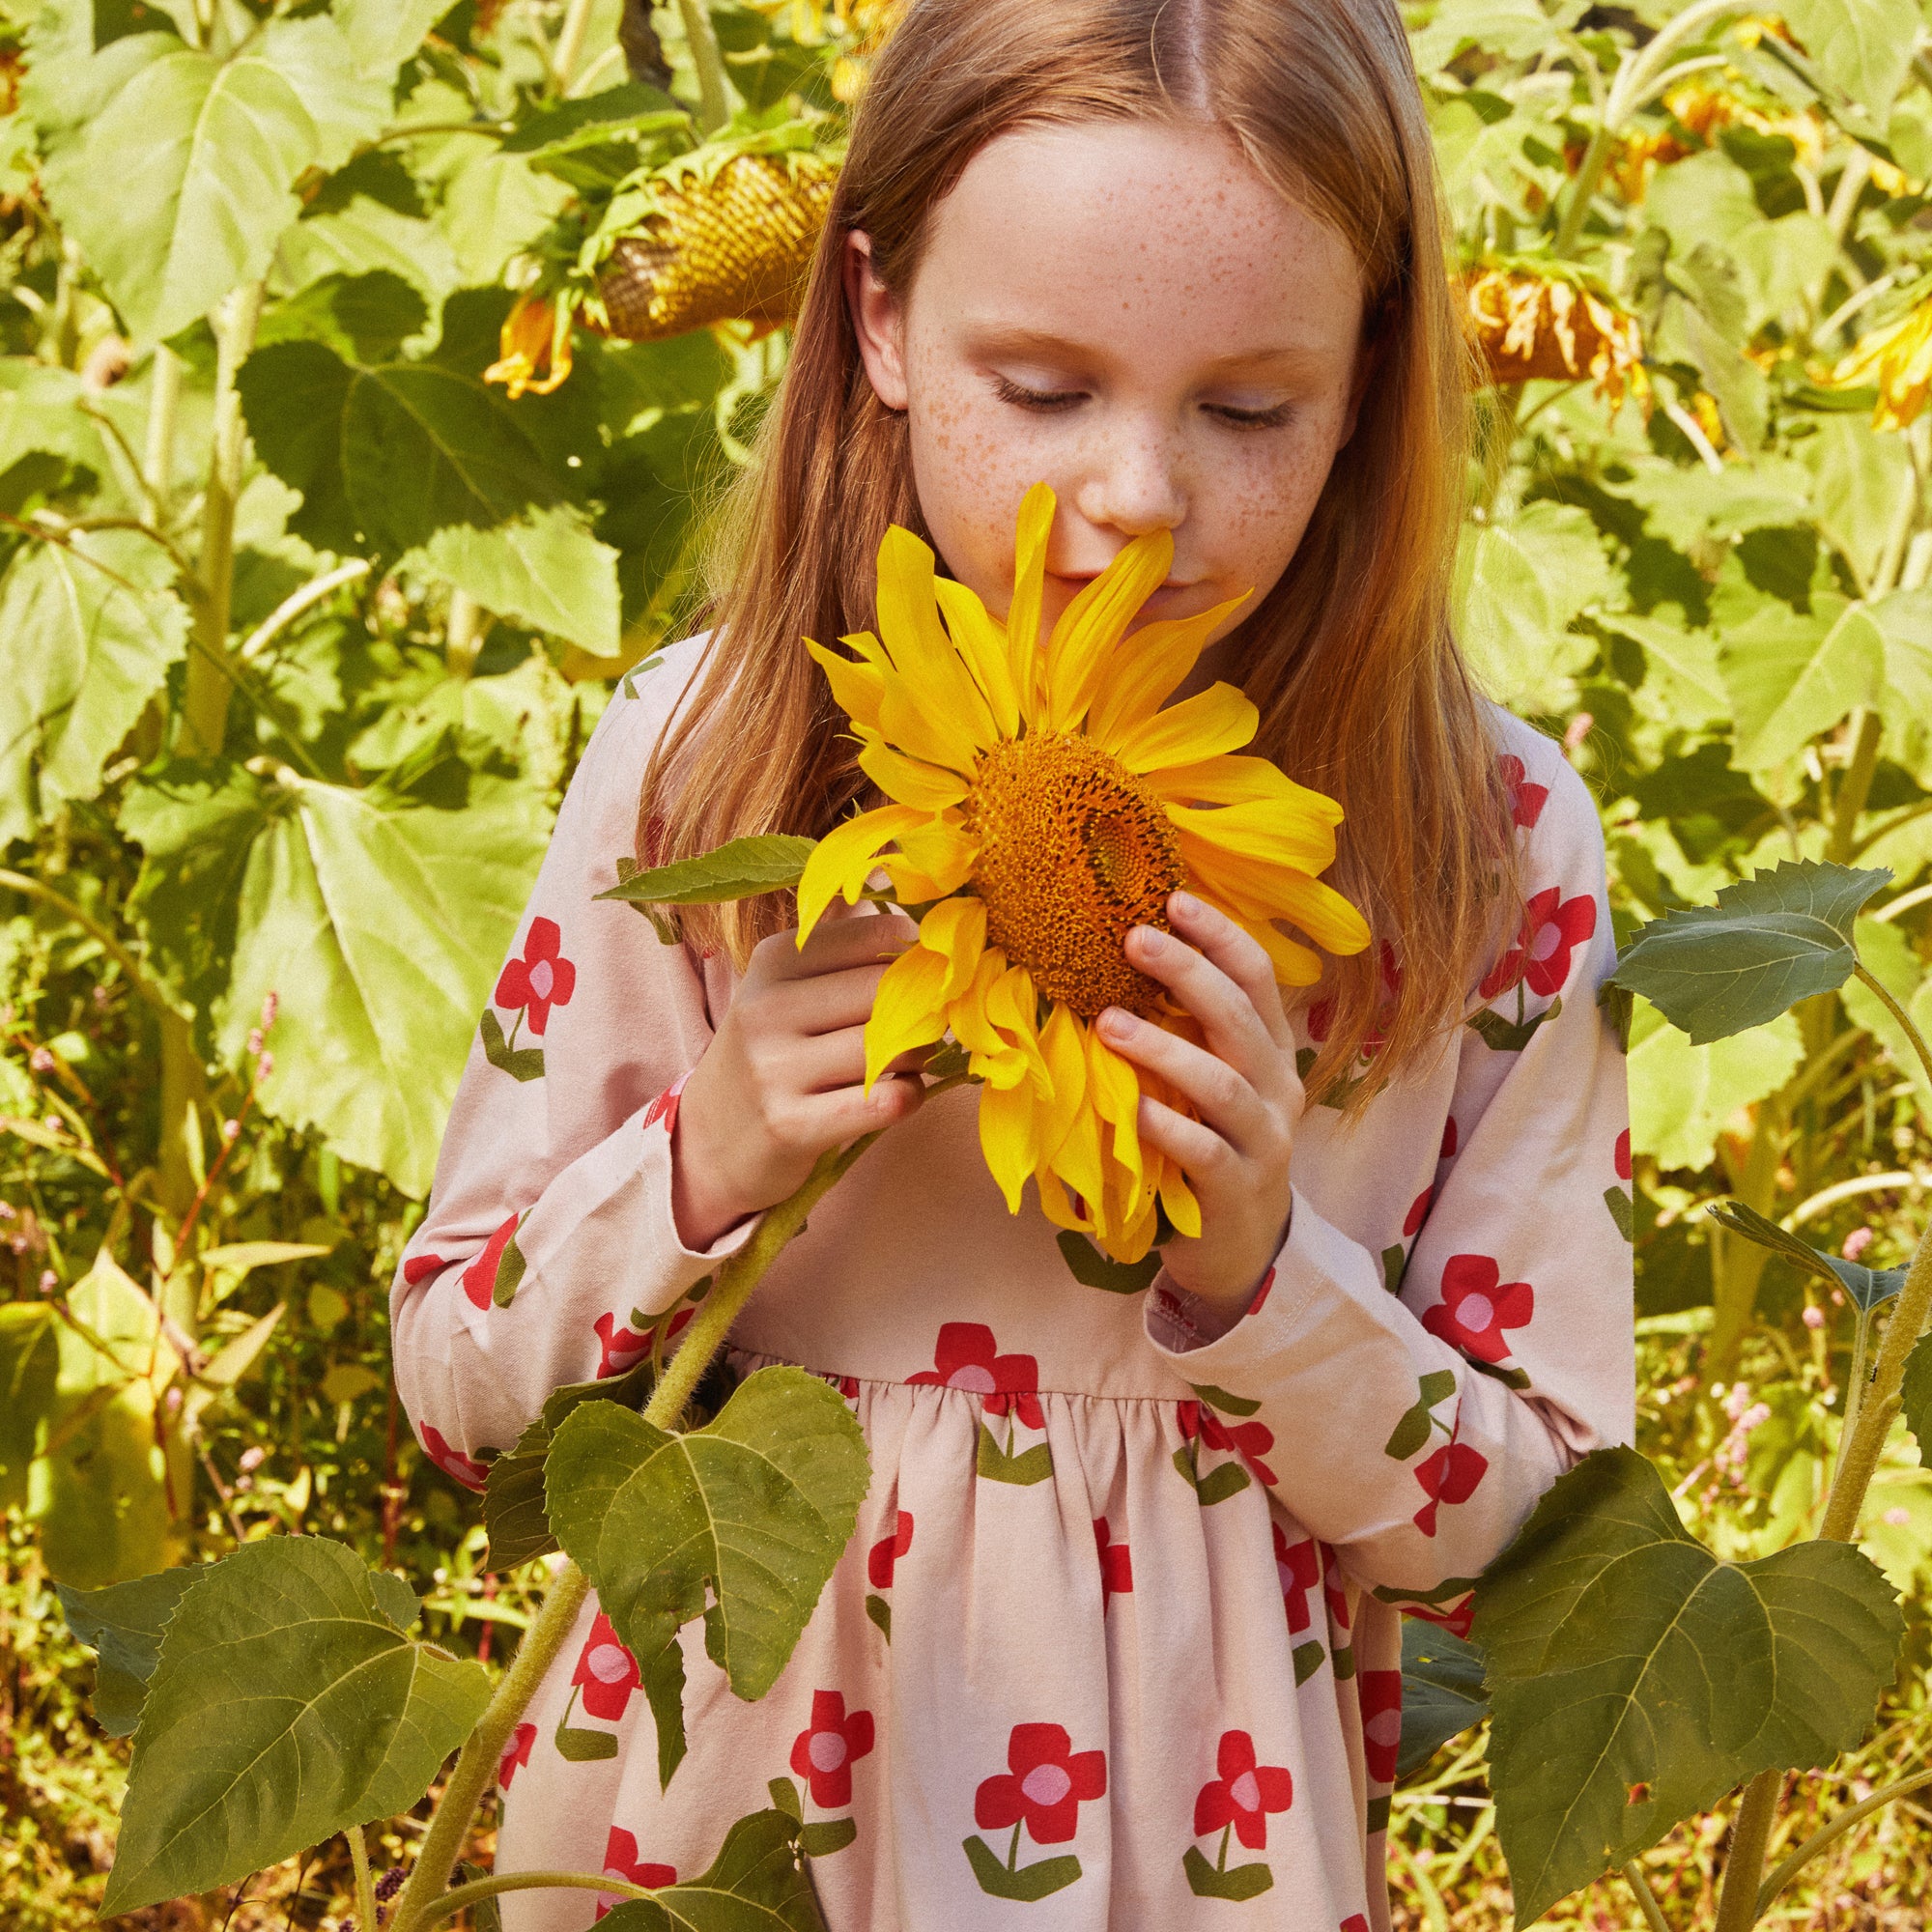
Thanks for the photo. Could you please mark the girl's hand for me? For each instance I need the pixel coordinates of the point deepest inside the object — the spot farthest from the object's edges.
(1244, 1087)
(782, 1081)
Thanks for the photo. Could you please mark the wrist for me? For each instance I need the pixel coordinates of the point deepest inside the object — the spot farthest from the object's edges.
(701, 1213)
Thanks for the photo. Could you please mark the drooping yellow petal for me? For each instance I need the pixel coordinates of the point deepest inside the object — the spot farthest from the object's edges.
(1177, 1198)
(843, 861)
(1013, 1006)
(1094, 623)
(857, 689)
(1227, 779)
(1116, 1095)
(1295, 965)
(1062, 1045)
(1272, 831)
(982, 644)
(907, 1009)
(931, 708)
(910, 781)
(1214, 720)
(1009, 1136)
(955, 930)
(1254, 891)
(1147, 668)
(1023, 615)
(992, 1055)
(935, 858)
(1077, 1161)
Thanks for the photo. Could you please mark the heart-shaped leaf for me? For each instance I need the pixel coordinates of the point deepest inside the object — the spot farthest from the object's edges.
(1868, 1286)
(285, 1706)
(758, 1883)
(749, 1512)
(1767, 943)
(1443, 1693)
(1634, 1678)
(123, 1624)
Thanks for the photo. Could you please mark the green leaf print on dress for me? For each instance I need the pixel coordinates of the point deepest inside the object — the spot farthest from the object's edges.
(966, 1356)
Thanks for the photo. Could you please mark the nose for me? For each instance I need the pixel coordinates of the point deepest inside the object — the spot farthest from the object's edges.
(1135, 484)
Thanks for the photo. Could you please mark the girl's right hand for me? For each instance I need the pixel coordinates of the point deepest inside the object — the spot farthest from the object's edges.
(782, 1081)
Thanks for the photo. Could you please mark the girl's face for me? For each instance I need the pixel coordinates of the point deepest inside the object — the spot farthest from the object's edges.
(1128, 311)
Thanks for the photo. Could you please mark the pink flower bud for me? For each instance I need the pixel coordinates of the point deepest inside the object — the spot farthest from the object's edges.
(49, 1280)
(1855, 1243)
(252, 1458)
(230, 1128)
(41, 1060)
(271, 1005)
(265, 1066)
(1899, 1517)
(172, 1402)
(254, 1039)
(1814, 1317)
(1580, 727)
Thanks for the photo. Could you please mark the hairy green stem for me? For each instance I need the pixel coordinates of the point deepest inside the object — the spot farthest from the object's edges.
(1750, 1839)
(1832, 1830)
(297, 602)
(714, 89)
(570, 43)
(365, 1883)
(29, 887)
(1653, 1913)
(476, 1890)
(1883, 993)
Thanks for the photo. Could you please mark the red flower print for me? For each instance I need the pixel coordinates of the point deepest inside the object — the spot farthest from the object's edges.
(1333, 1586)
(1623, 1156)
(822, 1753)
(1551, 925)
(1045, 1782)
(1477, 1305)
(846, 1385)
(967, 1357)
(1263, 1292)
(479, 1278)
(665, 1107)
(419, 1268)
(1117, 1564)
(1299, 1569)
(1449, 1476)
(1357, 1921)
(462, 1468)
(622, 1860)
(605, 1672)
(1526, 800)
(1381, 1722)
(885, 1554)
(517, 1754)
(621, 1349)
(1244, 1793)
(1412, 1222)
(1250, 1440)
(1448, 1139)
(542, 978)
(1321, 1014)
(1456, 1622)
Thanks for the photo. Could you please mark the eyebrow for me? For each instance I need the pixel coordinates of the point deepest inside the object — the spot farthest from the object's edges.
(990, 337)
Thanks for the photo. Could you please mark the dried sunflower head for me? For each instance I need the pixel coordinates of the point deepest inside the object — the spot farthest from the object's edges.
(1531, 322)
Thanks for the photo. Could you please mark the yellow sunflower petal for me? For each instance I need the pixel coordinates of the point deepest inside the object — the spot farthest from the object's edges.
(843, 860)
(955, 930)
(1226, 780)
(1009, 1136)
(1144, 675)
(1116, 1099)
(1295, 965)
(1063, 1045)
(993, 1056)
(1220, 718)
(1255, 891)
(1055, 1207)
(1078, 1162)
(935, 858)
(1023, 614)
(1273, 831)
(910, 781)
(931, 708)
(906, 1009)
(1177, 1198)
(857, 689)
(1013, 1006)
(1095, 621)
(982, 644)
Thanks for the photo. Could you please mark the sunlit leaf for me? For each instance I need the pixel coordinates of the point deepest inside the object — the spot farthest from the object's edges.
(758, 1883)
(766, 862)
(1866, 1287)
(1864, 46)
(1792, 676)
(1635, 1678)
(545, 568)
(1680, 1095)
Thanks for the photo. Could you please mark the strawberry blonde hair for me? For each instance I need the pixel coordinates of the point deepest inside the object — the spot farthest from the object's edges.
(1349, 659)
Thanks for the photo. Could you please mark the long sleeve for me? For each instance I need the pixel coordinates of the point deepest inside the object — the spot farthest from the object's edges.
(549, 1249)
(1413, 1386)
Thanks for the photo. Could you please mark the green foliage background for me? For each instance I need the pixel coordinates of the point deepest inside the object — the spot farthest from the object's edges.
(255, 258)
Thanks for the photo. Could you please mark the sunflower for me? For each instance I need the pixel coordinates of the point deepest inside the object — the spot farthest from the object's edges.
(1899, 359)
(1042, 802)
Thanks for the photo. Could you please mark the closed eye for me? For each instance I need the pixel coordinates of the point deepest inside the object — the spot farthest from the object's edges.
(1043, 402)
(1269, 418)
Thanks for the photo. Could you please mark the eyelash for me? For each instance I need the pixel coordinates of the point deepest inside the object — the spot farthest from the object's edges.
(1055, 402)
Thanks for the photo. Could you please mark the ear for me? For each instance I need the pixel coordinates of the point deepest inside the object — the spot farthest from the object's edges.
(877, 320)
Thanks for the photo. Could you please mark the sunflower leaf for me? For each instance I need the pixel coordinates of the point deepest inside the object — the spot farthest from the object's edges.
(740, 869)
(1442, 1693)
(758, 1883)
(1916, 1397)
(1868, 1286)
(1091, 1268)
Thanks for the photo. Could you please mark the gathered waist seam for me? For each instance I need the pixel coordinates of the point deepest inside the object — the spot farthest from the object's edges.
(765, 1358)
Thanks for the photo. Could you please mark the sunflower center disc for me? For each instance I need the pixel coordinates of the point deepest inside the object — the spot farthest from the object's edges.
(1073, 852)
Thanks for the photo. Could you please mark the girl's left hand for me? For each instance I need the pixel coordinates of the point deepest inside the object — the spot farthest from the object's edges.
(1244, 1087)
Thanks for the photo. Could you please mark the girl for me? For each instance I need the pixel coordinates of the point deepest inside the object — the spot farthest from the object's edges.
(1117, 1641)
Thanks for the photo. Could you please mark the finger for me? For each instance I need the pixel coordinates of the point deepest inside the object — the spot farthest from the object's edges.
(1239, 955)
(846, 1113)
(1204, 1157)
(1224, 1099)
(835, 943)
(1234, 1030)
(827, 1002)
(832, 1060)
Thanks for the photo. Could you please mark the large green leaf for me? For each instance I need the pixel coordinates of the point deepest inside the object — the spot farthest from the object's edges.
(387, 457)
(1769, 942)
(545, 568)
(1792, 676)
(88, 629)
(740, 868)
(1864, 46)
(1861, 477)
(758, 1883)
(1680, 1095)
(124, 1624)
(1518, 585)
(1868, 1286)
(1443, 1693)
(29, 1376)
(286, 1705)
(748, 1516)
(178, 182)
(382, 34)
(1890, 958)
(1634, 1678)
(378, 923)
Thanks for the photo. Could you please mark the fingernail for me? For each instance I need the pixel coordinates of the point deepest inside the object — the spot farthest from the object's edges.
(1115, 1023)
(1184, 905)
(1151, 937)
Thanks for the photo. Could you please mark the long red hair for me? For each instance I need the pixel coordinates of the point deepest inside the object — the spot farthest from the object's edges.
(1350, 659)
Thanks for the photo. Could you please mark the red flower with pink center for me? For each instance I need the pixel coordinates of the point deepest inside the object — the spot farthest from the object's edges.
(824, 1751)
(1117, 1564)
(1250, 1440)
(479, 1278)
(622, 1860)
(1357, 1921)
(1381, 1722)
(1299, 1566)
(605, 1672)
(1551, 927)
(419, 1268)
(967, 1357)
(619, 1348)
(1623, 1156)
(1046, 1783)
(1243, 1795)
(453, 1463)
(517, 1754)
(1526, 800)
(1449, 1476)
(883, 1557)
(542, 978)
(1477, 1305)
(665, 1107)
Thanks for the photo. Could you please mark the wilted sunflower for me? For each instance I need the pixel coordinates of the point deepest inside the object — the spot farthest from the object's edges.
(1042, 804)
(1899, 359)
(1529, 324)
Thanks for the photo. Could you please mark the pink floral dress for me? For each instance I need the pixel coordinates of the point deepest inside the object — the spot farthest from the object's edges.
(1116, 1642)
